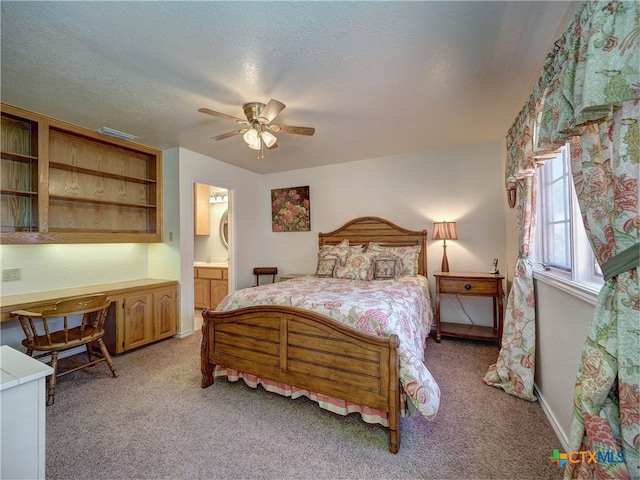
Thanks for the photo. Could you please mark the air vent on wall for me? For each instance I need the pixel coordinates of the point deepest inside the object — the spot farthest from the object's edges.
(115, 133)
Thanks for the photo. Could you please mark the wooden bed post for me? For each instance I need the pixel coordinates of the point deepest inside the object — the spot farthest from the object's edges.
(205, 366)
(394, 395)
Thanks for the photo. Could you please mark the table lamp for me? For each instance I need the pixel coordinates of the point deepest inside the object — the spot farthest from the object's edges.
(444, 231)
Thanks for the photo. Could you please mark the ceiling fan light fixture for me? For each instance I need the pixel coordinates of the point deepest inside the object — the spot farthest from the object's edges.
(269, 139)
(251, 137)
(257, 145)
(257, 135)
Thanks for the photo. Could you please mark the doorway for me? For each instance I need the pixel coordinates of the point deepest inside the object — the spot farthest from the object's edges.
(211, 246)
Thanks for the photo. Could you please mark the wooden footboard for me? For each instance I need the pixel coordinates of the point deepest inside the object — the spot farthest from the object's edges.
(306, 350)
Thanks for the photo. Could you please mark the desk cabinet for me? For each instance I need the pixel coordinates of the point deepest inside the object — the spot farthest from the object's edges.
(470, 284)
(139, 318)
(142, 311)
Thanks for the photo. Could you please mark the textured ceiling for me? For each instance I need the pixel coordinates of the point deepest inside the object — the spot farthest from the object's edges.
(373, 78)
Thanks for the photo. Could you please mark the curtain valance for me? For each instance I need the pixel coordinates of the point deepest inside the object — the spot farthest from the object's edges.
(591, 67)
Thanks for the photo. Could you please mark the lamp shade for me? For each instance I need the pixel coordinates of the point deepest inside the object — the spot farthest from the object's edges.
(268, 139)
(252, 139)
(444, 231)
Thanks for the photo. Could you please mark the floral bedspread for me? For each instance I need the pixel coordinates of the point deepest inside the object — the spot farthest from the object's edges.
(380, 307)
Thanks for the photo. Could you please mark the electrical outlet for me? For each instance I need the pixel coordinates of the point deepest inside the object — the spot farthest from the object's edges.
(10, 274)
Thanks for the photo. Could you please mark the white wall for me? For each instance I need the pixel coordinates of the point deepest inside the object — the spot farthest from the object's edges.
(244, 232)
(563, 323)
(412, 190)
(48, 267)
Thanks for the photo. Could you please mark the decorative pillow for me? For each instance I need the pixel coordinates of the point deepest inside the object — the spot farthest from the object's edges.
(341, 251)
(326, 266)
(387, 266)
(356, 248)
(409, 256)
(353, 273)
(359, 266)
(360, 260)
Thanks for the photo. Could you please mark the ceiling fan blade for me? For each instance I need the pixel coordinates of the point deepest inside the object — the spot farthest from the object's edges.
(230, 134)
(270, 111)
(222, 115)
(292, 129)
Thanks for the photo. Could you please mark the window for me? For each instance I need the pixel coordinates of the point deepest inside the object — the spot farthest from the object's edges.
(563, 254)
(554, 213)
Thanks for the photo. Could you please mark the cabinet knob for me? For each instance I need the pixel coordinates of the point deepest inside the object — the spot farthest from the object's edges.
(467, 287)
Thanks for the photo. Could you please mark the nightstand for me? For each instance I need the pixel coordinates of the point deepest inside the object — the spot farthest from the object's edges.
(289, 276)
(471, 284)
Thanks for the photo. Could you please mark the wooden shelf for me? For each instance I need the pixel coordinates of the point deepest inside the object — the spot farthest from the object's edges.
(99, 201)
(19, 193)
(86, 230)
(18, 157)
(99, 173)
(475, 332)
(61, 183)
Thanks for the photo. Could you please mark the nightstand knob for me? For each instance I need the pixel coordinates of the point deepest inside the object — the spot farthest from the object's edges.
(467, 287)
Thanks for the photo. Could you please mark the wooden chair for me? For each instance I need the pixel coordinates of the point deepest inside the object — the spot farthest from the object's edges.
(257, 271)
(38, 323)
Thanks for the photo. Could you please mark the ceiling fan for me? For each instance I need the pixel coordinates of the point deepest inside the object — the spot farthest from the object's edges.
(257, 133)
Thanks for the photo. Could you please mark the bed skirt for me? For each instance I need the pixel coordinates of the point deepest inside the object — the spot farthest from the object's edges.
(335, 405)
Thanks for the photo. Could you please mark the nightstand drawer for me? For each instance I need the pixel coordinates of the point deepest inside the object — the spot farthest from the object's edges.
(468, 286)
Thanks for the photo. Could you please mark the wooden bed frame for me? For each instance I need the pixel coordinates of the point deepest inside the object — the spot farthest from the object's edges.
(312, 351)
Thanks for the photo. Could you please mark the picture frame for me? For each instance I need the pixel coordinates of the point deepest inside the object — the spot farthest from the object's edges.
(290, 209)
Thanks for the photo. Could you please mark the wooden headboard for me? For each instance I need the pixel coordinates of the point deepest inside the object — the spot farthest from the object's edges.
(361, 231)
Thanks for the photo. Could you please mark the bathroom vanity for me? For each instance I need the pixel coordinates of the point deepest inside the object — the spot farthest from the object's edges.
(211, 283)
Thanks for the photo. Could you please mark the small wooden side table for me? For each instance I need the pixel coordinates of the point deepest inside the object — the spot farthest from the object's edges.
(472, 284)
(289, 276)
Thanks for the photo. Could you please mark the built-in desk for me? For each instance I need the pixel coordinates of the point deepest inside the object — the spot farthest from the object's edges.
(142, 311)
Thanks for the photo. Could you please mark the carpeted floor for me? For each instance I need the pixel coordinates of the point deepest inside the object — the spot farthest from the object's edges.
(155, 421)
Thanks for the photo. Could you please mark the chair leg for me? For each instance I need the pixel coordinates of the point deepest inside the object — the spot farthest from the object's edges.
(89, 350)
(51, 381)
(107, 357)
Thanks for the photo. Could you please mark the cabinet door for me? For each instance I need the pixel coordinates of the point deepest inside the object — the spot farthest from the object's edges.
(219, 289)
(202, 209)
(165, 317)
(138, 328)
(202, 293)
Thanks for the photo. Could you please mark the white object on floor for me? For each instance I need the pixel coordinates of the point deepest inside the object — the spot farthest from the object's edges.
(23, 393)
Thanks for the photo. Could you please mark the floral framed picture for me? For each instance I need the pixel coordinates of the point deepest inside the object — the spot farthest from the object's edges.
(290, 209)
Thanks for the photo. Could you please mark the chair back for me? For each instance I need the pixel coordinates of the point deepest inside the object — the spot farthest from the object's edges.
(93, 309)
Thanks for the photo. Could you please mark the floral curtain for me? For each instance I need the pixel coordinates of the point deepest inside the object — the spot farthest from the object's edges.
(515, 366)
(590, 89)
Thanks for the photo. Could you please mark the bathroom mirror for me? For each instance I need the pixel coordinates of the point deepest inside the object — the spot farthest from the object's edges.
(224, 228)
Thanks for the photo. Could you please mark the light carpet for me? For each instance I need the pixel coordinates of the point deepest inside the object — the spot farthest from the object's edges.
(155, 421)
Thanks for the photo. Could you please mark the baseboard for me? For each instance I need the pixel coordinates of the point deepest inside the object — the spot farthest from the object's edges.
(184, 334)
(562, 436)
